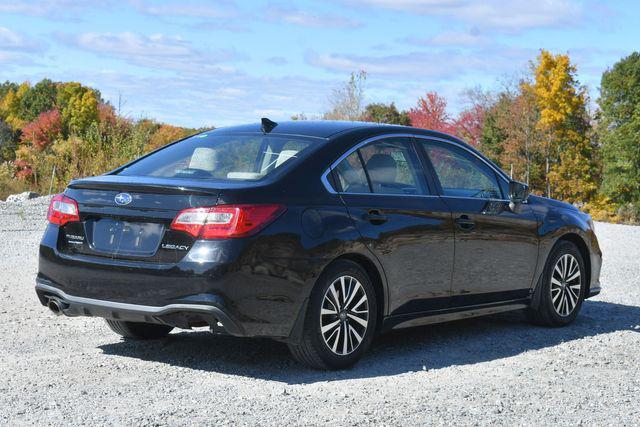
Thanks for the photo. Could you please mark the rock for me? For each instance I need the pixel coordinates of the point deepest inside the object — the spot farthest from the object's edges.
(17, 198)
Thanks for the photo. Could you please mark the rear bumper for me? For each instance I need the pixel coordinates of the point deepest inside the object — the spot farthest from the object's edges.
(177, 315)
(253, 284)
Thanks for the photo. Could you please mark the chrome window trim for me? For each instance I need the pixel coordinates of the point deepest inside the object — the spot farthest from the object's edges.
(389, 194)
(327, 185)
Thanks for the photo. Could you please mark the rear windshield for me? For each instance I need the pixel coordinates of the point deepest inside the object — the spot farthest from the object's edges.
(221, 157)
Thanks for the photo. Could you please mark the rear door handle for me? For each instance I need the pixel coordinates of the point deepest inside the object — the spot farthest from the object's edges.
(465, 223)
(375, 217)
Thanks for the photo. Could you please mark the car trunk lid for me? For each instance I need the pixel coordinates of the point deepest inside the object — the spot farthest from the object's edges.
(130, 218)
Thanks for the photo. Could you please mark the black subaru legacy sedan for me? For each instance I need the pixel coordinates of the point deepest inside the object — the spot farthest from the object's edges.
(318, 234)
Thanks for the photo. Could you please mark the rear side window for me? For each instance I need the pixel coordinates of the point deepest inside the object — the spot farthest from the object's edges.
(461, 174)
(388, 166)
(221, 157)
(351, 175)
(393, 167)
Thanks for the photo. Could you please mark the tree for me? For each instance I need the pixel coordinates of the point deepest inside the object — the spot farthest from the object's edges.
(517, 115)
(6, 87)
(82, 111)
(8, 138)
(38, 99)
(164, 135)
(619, 131)
(431, 113)
(571, 169)
(385, 113)
(469, 123)
(43, 131)
(493, 134)
(11, 107)
(346, 101)
(78, 105)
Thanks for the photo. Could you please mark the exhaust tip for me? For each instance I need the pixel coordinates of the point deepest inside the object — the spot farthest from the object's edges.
(55, 307)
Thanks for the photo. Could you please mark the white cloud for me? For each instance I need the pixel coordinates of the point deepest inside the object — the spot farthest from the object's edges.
(18, 49)
(442, 64)
(154, 51)
(451, 38)
(509, 15)
(310, 19)
(10, 40)
(54, 9)
(197, 101)
(187, 8)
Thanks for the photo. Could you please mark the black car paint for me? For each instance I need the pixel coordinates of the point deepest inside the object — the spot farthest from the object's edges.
(261, 283)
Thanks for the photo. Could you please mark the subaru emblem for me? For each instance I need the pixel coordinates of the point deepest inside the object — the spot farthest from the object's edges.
(123, 199)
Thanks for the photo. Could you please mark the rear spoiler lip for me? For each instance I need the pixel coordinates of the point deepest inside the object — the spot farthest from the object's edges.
(142, 187)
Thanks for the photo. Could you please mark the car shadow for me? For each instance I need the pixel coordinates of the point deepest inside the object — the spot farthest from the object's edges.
(429, 347)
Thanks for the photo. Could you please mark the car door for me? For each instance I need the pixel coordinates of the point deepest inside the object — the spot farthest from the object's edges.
(496, 249)
(406, 226)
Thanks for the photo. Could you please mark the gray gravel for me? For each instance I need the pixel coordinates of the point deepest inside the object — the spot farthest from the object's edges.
(496, 370)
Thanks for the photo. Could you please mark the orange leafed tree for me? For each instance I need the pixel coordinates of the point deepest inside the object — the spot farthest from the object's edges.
(164, 135)
(43, 130)
(431, 113)
(469, 124)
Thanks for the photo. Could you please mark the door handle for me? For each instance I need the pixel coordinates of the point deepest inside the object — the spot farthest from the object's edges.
(465, 223)
(375, 217)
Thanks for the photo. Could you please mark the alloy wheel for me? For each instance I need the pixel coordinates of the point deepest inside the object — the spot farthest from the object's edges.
(344, 315)
(566, 285)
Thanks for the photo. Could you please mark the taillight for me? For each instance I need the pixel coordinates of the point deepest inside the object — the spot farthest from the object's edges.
(226, 221)
(62, 210)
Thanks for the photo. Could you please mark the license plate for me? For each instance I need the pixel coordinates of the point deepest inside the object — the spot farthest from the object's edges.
(126, 238)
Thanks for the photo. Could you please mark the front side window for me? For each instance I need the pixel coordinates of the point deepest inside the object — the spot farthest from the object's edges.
(221, 157)
(462, 174)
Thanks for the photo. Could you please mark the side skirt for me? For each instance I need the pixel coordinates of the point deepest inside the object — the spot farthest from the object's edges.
(447, 315)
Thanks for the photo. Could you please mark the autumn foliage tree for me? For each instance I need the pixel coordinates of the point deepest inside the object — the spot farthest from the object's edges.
(164, 135)
(53, 132)
(469, 124)
(431, 113)
(44, 130)
(570, 163)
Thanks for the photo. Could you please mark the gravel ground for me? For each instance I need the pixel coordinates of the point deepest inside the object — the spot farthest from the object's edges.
(495, 370)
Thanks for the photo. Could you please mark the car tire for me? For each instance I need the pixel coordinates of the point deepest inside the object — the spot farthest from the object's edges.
(558, 304)
(138, 331)
(340, 323)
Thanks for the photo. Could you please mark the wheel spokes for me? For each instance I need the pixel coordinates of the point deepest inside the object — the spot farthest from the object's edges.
(354, 290)
(344, 315)
(363, 322)
(565, 292)
(330, 326)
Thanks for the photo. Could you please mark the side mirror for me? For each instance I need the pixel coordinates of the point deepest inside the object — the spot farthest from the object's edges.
(518, 193)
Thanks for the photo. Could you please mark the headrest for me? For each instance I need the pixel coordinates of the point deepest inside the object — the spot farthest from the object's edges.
(382, 168)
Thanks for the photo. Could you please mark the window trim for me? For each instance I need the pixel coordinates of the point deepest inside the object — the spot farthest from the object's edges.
(329, 170)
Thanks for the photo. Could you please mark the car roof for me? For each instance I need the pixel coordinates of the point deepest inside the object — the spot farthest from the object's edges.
(314, 128)
(331, 128)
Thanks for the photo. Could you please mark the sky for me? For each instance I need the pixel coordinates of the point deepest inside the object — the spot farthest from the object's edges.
(218, 63)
